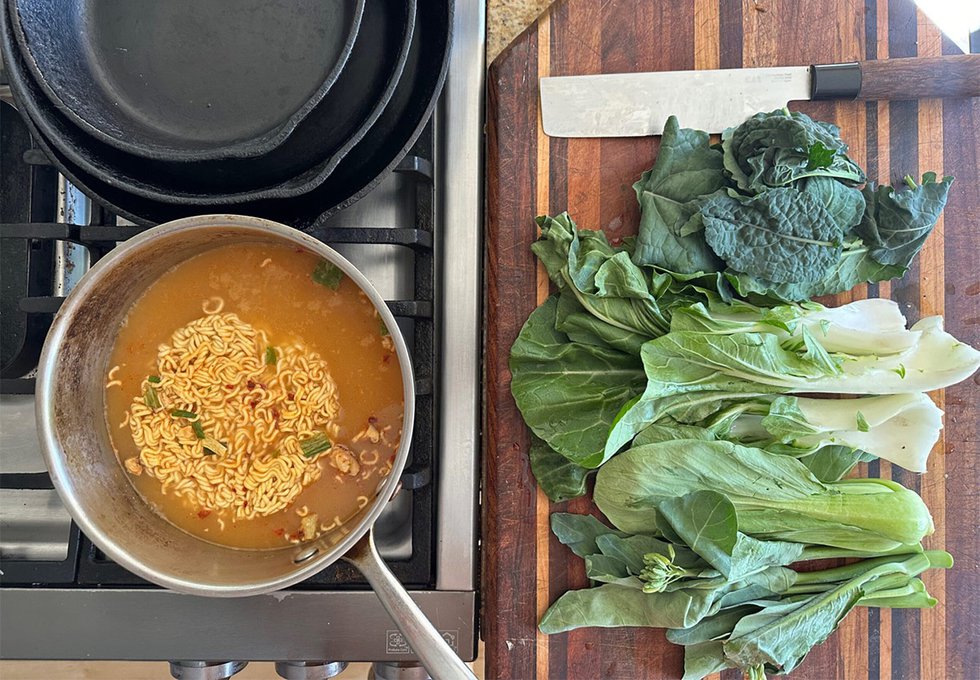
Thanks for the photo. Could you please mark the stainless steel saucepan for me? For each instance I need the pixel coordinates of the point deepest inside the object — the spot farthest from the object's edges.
(94, 486)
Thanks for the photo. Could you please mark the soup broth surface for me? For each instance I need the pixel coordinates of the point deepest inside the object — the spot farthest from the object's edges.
(272, 288)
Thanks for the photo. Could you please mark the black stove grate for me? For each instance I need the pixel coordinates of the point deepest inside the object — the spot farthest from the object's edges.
(28, 196)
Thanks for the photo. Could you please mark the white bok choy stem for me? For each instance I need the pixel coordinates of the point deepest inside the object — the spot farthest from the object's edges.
(900, 428)
(871, 326)
(937, 360)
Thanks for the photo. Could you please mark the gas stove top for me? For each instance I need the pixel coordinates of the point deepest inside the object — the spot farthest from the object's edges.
(417, 238)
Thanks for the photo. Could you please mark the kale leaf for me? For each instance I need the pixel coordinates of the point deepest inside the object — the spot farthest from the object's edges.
(897, 223)
(778, 148)
(783, 235)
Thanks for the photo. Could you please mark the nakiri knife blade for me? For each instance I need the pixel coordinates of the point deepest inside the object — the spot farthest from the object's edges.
(638, 104)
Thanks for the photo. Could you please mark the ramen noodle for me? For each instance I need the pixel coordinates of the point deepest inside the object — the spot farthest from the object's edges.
(254, 397)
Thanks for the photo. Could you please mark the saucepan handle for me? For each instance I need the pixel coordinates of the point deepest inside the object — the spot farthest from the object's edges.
(433, 651)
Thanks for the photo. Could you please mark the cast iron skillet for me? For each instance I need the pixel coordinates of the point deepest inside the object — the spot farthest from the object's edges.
(360, 171)
(303, 161)
(186, 79)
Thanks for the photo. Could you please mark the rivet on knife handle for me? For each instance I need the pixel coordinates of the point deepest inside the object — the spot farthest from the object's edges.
(896, 79)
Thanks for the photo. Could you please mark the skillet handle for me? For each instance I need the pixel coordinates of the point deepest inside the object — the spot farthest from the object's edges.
(433, 651)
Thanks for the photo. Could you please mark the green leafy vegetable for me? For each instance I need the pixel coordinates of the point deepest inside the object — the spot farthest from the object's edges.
(328, 275)
(897, 223)
(271, 356)
(603, 279)
(844, 204)
(775, 149)
(783, 235)
(706, 521)
(781, 636)
(775, 496)
(560, 478)
(579, 532)
(819, 156)
(546, 369)
(687, 168)
(155, 379)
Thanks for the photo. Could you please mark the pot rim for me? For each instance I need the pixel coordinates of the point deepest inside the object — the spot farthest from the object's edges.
(54, 452)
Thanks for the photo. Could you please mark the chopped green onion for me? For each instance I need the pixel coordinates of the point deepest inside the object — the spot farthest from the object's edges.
(198, 429)
(179, 413)
(328, 274)
(318, 443)
(151, 398)
(384, 329)
(270, 356)
(214, 446)
(154, 379)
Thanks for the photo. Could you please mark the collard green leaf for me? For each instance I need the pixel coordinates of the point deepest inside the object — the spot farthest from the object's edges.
(782, 235)
(897, 223)
(777, 148)
(579, 532)
(687, 168)
(558, 477)
(570, 392)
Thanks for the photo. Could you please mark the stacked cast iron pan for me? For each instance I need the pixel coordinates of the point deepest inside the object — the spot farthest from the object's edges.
(286, 109)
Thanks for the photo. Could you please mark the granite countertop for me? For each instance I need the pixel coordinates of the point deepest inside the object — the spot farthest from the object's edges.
(506, 19)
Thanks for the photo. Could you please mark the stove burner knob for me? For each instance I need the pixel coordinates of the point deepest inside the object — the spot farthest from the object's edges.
(205, 670)
(310, 670)
(400, 670)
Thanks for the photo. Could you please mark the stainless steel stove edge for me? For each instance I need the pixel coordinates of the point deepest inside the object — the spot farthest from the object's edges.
(151, 624)
(460, 119)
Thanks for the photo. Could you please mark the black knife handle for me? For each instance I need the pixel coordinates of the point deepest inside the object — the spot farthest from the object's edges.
(897, 79)
(835, 81)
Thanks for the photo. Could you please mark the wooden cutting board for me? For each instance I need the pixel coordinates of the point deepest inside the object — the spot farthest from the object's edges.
(525, 568)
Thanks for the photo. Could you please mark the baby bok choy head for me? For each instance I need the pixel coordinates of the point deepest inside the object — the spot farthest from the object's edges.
(775, 496)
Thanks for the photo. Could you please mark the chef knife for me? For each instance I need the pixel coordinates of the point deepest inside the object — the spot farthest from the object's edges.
(638, 104)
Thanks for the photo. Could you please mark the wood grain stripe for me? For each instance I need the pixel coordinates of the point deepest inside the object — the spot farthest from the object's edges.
(961, 121)
(542, 206)
(903, 142)
(932, 302)
(509, 531)
(883, 663)
(873, 469)
(707, 26)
